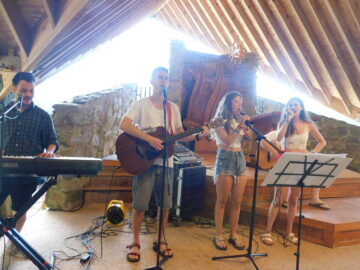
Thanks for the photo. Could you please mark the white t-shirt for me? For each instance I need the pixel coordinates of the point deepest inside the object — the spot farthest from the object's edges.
(145, 115)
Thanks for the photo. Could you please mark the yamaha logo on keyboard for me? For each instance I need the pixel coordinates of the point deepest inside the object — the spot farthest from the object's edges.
(10, 165)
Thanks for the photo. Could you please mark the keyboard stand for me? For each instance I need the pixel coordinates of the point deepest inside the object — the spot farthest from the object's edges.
(7, 227)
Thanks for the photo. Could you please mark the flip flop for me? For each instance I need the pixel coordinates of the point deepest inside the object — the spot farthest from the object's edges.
(322, 205)
(236, 243)
(215, 239)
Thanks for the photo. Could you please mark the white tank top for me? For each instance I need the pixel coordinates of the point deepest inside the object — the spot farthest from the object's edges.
(237, 142)
(295, 142)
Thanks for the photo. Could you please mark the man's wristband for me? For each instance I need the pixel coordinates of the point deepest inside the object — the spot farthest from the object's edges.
(197, 138)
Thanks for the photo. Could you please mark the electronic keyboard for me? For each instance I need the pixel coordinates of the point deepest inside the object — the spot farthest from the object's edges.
(49, 166)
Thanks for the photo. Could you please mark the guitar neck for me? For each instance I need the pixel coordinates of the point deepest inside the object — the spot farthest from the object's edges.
(184, 134)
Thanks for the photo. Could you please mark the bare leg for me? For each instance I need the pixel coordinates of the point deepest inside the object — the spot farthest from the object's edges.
(223, 188)
(137, 219)
(293, 201)
(279, 196)
(237, 193)
(164, 247)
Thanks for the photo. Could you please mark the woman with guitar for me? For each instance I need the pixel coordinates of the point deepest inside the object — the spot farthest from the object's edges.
(293, 131)
(230, 165)
(147, 113)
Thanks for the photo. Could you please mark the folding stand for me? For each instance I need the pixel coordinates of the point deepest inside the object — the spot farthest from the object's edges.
(305, 170)
(7, 227)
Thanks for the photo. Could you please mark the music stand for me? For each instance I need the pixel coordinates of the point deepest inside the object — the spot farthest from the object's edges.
(305, 170)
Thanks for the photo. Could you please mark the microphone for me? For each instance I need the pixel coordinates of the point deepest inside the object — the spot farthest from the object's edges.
(164, 93)
(20, 99)
(249, 123)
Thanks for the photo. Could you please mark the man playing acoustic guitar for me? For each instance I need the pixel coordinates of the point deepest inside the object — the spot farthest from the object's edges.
(143, 114)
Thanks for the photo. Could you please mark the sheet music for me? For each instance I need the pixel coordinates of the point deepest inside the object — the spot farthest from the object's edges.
(291, 167)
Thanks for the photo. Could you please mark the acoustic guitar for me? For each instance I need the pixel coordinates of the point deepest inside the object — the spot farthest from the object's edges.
(137, 156)
(267, 156)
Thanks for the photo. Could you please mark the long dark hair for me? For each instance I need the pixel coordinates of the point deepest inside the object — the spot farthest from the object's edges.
(304, 116)
(224, 109)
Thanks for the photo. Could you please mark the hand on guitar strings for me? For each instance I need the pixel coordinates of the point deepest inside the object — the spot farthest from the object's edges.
(204, 132)
(156, 143)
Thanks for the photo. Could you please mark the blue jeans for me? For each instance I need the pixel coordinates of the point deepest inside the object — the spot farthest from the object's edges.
(143, 185)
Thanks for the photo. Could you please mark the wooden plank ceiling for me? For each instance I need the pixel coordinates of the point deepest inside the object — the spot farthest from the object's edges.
(313, 45)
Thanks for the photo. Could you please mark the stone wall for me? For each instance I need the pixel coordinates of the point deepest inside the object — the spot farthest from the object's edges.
(340, 136)
(86, 127)
(89, 125)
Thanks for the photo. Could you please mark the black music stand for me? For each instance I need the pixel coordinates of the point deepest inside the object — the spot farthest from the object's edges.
(305, 170)
(7, 227)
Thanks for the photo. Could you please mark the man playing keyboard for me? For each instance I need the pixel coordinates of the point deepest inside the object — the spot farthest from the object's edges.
(28, 131)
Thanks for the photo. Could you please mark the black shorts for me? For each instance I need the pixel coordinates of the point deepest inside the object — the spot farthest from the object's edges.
(19, 193)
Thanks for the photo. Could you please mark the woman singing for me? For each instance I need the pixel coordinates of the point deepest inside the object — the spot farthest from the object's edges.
(293, 131)
(230, 165)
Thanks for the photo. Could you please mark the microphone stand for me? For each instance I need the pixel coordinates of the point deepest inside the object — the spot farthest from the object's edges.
(2, 121)
(164, 170)
(249, 253)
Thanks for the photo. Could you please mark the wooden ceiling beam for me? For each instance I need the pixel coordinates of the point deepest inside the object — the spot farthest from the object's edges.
(180, 18)
(203, 19)
(317, 44)
(242, 35)
(124, 23)
(91, 26)
(355, 9)
(216, 24)
(284, 49)
(301, 44)
(17, 25)
(347, 22)
(189, 9)
(226, 28)
(338, 17)
(261, 42)
(171, 17)
(335, 39)
(192, 23)
(53, 10)
(46, 39)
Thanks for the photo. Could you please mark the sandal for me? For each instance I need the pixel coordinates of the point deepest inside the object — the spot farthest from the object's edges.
(234, 240)
(266, 238)
(136, 259)
(285, 204)
(221, 240)
(163, 252)
(292, 238)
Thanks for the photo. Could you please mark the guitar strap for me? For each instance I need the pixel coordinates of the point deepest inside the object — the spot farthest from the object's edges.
(168, 109)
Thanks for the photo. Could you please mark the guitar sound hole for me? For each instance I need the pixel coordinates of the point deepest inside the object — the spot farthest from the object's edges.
(268, 156)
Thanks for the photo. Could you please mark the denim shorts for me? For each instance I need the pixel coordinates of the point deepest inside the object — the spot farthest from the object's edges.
(144, 183)
(229, 163)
